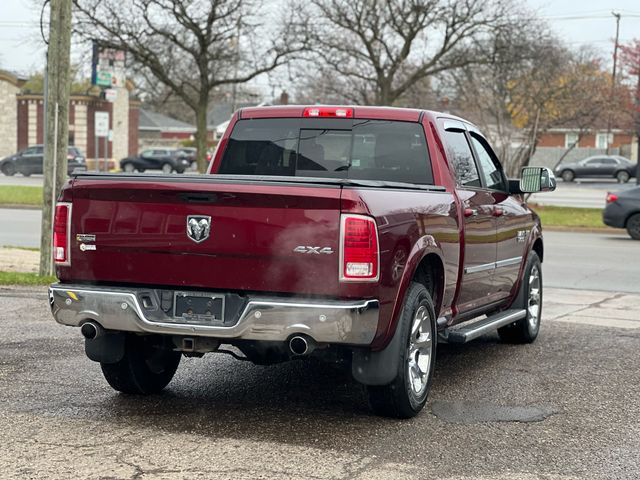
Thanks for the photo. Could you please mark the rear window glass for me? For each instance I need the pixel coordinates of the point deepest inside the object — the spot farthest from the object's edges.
(337, 148)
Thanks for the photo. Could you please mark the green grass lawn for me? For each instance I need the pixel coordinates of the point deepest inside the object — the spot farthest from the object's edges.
(20, 278)
(569, 216)
(20, 195)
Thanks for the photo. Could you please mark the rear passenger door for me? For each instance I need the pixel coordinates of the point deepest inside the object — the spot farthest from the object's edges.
(480, 225)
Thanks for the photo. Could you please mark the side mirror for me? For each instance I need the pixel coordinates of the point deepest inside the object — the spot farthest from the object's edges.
(537, 179)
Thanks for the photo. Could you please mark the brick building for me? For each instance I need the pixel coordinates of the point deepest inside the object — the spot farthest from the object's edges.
(22, 121)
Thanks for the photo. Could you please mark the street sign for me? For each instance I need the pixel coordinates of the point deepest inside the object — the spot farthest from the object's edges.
(101, 124)
(108, 66)
(103, 79)
(110, 95)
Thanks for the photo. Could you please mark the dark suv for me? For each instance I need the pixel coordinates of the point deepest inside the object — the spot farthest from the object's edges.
(30, 160)
(166, 159)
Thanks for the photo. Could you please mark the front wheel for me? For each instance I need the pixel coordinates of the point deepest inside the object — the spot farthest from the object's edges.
(633, 226)
(622, 176)
(148, 365)
(405, 396)
(529, 298)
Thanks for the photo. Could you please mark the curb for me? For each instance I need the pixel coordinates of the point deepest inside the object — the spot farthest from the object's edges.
(561, 228)
(20, 206)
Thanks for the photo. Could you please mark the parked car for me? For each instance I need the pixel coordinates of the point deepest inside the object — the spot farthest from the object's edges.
(29, 161)
(611, 166)
(623, 211)
(362, 234)
(166, 159)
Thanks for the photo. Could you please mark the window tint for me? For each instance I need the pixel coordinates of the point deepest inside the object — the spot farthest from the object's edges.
(358, 149)
(595, 161)
(459, 152)
(488, 164)
(30, 151)
(609, 161)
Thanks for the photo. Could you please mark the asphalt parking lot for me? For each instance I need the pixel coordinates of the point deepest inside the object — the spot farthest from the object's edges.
(564, 407)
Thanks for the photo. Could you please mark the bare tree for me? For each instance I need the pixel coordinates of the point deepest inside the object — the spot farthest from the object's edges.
(531, 84)
(374, 51)
(192, 47)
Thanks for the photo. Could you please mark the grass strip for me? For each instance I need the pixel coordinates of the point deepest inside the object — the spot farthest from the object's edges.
(552, 216)
(22, 278)
(20, 195)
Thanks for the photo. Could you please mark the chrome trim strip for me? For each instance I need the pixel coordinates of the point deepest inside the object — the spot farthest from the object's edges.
(492, 266)
(351, 322)
(480, 268)
(509, 261)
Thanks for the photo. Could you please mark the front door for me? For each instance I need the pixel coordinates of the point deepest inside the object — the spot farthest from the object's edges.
(513, 221)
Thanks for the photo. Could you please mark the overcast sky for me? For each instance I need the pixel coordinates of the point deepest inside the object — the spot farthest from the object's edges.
(591, 23)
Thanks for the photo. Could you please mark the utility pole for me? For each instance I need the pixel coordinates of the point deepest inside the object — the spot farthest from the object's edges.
(56, 122)
(613, 75)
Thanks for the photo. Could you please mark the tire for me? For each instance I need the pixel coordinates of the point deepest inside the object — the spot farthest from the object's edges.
(128, 167)
(529, 298)
(167, 168)
(623, 176)
(148, 365)
(405, 396)
(9, 169)
(568, 176)
(633, 226)
(26, 174)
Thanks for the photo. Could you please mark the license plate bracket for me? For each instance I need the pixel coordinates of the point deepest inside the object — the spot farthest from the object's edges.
(198, 307)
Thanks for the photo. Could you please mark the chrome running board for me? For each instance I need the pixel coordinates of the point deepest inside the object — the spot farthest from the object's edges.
(471, 330)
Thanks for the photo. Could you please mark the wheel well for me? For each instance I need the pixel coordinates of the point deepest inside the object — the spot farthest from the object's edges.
(430, 273)
(538, 248)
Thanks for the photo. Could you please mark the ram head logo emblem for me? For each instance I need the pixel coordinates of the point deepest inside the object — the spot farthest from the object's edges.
(198, 227)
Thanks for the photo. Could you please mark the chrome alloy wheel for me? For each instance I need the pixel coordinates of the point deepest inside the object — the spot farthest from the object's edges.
(535, 297)
(420, 351)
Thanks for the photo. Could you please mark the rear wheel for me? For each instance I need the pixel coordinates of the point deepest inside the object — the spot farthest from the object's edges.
(167, 168)
(622, 176)
(568, 176)
(633, 226)
(148, 365)
(9, 169)
(405, 396)
(526, 330)
(128, 167)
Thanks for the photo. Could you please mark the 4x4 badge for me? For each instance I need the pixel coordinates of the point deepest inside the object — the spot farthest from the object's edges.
(198, 227)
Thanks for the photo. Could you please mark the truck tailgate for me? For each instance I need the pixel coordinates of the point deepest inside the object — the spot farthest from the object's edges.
(141, 234)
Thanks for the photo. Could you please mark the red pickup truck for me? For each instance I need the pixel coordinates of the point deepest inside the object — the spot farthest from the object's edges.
(357, 233)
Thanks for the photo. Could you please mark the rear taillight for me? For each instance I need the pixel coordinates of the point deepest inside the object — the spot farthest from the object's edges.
(611, 197)
(61, 234)
(338, 112)
(359, 254)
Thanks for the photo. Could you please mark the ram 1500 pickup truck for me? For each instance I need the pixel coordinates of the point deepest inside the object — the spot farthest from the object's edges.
(363, 234)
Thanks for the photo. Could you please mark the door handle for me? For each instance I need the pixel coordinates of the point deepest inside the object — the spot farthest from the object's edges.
(498, 212)
(470, 212)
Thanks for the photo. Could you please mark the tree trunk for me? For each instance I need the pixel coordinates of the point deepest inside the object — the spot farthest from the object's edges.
(201, 136)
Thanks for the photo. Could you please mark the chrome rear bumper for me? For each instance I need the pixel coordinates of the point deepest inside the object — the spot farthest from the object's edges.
(261, 318)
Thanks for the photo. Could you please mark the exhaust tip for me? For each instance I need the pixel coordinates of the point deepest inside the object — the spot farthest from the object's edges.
(90, 330)
(299, 345)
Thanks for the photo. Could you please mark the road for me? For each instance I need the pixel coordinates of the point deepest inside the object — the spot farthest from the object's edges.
(580, 194)
(20, 227)
(564, 407)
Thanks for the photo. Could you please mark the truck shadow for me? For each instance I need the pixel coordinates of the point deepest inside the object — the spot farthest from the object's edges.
(221, 396)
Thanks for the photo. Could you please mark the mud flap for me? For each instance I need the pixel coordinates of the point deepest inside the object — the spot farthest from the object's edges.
(107, 348)
(378, 368)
